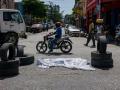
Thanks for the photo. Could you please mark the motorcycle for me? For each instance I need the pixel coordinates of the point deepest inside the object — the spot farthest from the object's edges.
(64, 44)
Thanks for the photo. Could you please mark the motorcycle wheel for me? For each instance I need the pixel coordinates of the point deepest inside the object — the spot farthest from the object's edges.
(66, 47)
(41, 47)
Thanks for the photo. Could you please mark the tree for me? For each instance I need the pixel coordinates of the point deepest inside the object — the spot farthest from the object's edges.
(36, 8)
(54, 12)
(57, 16)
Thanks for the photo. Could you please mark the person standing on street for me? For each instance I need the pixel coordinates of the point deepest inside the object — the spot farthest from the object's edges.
(91, 34)
(99, 28)
(46, 26)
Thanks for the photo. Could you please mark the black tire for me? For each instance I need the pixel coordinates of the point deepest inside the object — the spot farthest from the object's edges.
(41, 47)
(64, 47)
(26, 60)
(7, 52)
(20, 50)
(102, 64)
(97, 56)
(102, 44)
(12, 37)
(9, 68)
(101, 60)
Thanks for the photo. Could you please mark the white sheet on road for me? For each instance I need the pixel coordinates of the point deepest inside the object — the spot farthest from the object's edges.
(76, 63)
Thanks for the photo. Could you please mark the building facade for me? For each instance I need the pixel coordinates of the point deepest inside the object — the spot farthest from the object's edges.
(109, 10)
(9, 4)
(79, 12)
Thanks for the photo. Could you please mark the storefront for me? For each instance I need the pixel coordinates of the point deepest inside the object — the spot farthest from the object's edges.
(109, 11)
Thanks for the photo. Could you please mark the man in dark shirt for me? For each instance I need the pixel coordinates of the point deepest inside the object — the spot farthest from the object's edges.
(58, 35)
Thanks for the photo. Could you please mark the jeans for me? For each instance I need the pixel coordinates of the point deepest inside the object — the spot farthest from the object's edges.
(91, 36)
(53, 43)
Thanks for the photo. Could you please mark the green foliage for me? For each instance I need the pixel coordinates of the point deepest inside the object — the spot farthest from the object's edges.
(58, 16)
(54, 13)
(36, 8)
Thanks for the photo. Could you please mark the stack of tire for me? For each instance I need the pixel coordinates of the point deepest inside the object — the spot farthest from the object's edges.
(11, 58)
(25, 59)
(101, 58)
(9, 65)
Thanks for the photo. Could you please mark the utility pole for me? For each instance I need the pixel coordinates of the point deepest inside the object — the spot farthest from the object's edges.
(98, 8)
(51, 10)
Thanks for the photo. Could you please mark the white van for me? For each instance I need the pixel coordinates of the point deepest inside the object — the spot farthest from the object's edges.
(11, 24)
(11, 20)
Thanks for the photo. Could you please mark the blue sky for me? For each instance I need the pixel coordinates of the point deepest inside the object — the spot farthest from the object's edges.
(65, 5)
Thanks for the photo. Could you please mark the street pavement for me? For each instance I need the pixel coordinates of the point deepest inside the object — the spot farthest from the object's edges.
(59, 78)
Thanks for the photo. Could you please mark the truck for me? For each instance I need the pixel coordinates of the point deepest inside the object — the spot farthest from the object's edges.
(11, 26)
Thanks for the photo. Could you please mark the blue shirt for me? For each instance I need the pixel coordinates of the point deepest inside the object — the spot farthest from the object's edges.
(58, 33)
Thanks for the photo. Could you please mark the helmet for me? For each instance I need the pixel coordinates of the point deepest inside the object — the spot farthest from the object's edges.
(58, 24)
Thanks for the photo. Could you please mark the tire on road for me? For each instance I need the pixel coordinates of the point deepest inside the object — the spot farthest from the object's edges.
(20, 50)
(97, 56)
(7, 52)
(102, 64)
(41, 45)
(9, 68)
(26, 60)
(99, 60)
(62, 47)
(102, 44)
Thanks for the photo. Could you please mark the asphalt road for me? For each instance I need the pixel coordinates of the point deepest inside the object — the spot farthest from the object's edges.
(58, 78)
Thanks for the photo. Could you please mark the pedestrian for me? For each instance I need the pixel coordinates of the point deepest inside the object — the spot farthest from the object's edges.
(99, 28)
(91, 34)
(47, 27)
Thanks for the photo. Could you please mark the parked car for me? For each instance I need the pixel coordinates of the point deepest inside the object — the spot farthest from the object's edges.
(73, 31)
(36, 28)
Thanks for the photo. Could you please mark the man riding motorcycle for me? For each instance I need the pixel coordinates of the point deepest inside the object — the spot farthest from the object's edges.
(58, 35)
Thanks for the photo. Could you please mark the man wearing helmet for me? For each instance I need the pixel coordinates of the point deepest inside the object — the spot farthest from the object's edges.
(58, 35)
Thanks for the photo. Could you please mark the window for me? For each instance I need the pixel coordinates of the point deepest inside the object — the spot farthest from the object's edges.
(12, 16)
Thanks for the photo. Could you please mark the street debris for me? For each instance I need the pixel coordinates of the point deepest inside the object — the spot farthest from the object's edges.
(72, 63)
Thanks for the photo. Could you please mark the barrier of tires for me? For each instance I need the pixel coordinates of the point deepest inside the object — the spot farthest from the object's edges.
(101, 58)
(7, 52)
(20, 50)
(9, 68)
(25, 59)
(102, 44)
